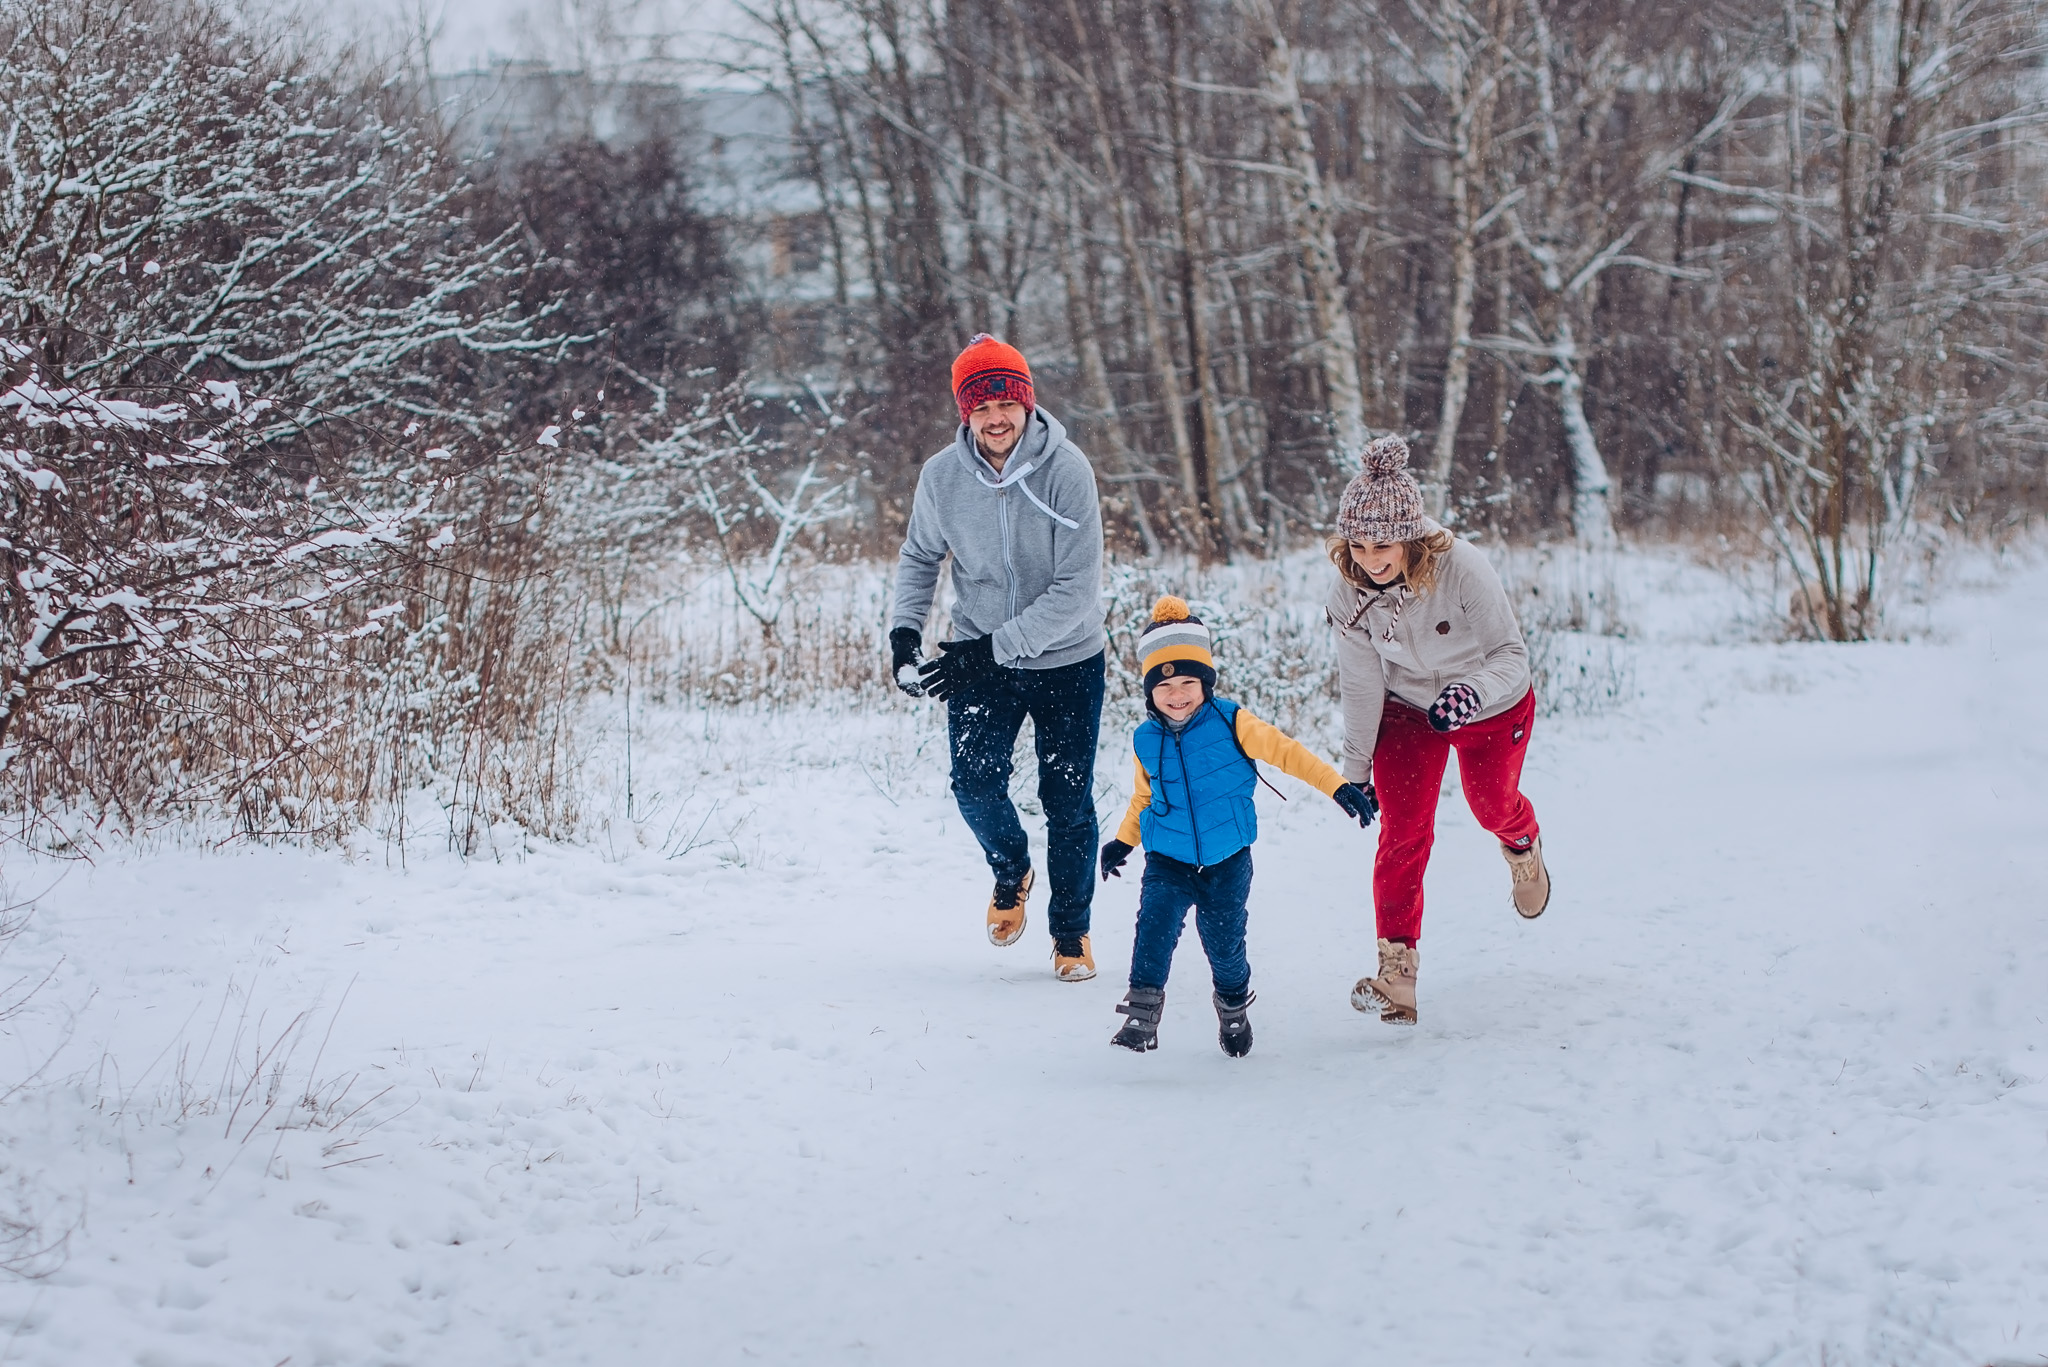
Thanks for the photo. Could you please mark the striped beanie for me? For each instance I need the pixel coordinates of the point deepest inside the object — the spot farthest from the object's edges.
(1384, 503)
(989, 369)
(1176, 643)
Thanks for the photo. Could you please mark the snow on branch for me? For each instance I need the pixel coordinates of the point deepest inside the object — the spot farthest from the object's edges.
(147, 545)
(177, 190)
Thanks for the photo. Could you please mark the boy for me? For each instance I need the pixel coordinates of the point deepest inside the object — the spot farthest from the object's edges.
(1192, 810)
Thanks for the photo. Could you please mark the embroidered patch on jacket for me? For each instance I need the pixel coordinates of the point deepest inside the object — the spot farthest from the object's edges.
(1443, 628)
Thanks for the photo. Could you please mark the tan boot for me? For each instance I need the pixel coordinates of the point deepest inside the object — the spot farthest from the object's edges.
(1392, 992)
(1532, 879)
(1006, 914)
(1073, 968)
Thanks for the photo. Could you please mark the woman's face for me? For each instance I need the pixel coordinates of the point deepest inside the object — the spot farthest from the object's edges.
(1382, 561)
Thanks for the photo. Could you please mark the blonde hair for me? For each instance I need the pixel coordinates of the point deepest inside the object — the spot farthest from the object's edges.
(1425, 555)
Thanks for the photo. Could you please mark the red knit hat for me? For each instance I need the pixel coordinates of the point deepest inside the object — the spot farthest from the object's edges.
(990, 369)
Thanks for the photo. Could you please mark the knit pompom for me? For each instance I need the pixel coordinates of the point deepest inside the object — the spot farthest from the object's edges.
(1385, 455)
(1170, 609)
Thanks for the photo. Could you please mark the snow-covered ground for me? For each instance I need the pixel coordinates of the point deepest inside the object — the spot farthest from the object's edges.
(747, 1083)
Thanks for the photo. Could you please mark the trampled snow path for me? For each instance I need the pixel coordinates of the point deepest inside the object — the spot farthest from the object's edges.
(1764, 1086)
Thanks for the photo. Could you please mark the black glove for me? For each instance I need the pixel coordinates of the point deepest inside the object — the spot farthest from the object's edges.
(959, 664)
(904, 646)
(1362, 803)
(1114, 853)
(1456, 705)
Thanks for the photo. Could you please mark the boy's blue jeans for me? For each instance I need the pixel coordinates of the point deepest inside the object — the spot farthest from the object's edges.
(1217, 892)
(1065, 707)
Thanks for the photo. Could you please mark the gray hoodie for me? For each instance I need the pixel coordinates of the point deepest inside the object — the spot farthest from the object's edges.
(1396, 643)
(1026, 547)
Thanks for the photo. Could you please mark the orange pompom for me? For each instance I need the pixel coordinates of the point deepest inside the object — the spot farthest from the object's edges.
(1170, 609)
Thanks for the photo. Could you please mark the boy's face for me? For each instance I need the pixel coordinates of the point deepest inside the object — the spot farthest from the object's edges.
(1178, 697)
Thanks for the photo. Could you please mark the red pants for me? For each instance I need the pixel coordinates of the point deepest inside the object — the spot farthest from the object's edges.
(1408, 774)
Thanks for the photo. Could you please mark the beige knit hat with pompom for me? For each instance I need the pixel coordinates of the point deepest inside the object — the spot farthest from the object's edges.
(1384, 503)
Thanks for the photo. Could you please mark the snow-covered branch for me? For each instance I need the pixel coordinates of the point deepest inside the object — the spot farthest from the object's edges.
(143, 548)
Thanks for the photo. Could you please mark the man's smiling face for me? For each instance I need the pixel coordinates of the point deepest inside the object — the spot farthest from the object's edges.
(997, 424)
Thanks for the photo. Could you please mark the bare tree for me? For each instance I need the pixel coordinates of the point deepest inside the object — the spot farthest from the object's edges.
(179, 189)
(1905, 245)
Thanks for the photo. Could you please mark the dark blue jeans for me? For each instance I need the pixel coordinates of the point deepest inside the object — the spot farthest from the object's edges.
(1065, 707)
(1217, 892)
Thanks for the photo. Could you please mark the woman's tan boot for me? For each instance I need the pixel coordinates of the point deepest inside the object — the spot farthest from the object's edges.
(1532, 879)
(1392, 991)
(1006, 912)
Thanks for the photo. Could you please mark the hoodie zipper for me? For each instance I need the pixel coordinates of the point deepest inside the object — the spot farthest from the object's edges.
(1009, 567)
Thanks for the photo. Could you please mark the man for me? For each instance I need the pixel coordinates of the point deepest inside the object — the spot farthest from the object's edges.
(1013, 501)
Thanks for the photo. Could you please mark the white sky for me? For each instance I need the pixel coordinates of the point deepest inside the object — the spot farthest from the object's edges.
(473, 33)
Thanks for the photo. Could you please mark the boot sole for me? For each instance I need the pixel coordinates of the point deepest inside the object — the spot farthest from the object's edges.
(1022, 910)
(1073, 975)
(1366, 997)
(1144, 1048)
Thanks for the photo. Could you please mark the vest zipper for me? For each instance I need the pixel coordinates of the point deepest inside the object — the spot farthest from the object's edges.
(1188, 786)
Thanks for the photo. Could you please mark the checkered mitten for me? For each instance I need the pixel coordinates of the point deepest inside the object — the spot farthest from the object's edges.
(1456, 705)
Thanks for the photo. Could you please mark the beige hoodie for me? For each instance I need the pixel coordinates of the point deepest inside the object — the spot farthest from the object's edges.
(1394, 642)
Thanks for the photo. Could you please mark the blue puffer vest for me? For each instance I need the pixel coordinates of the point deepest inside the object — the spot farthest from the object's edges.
(1202, 785)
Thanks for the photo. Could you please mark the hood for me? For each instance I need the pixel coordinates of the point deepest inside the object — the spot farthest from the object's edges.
(1043, 435)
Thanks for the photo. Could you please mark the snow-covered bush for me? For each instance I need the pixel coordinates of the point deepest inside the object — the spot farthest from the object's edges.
(727, 478)
(217, 604)
(695, 644)
(1275, 652)
(179, 186)
(162, 576)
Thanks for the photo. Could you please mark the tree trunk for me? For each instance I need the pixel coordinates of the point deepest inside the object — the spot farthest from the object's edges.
(1223, 496)
(1336, 340)
(1195, 533)
(1087, 328)
(1470, 90)
(1592, 519)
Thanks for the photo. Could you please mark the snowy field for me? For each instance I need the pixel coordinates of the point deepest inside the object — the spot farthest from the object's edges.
(746, 1083)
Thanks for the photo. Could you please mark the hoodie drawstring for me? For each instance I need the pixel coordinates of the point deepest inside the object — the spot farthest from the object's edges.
(1016, 477)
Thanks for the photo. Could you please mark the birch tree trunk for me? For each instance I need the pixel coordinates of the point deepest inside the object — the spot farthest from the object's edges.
(1194, 531)
(1472, 76)
(1230, 519)
(1592, 521)
(1309, 207)
(1086, 326)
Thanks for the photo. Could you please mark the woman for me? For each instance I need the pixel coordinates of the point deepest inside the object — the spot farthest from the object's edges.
(1429, 660)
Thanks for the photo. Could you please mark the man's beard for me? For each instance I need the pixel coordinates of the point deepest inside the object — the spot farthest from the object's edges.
(1016, 438)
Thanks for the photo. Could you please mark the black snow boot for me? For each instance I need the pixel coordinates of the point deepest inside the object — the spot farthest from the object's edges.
(1141, 1006)
(1233, 1027)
